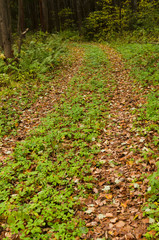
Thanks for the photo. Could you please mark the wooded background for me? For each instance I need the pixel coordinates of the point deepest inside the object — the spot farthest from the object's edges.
(94, 19)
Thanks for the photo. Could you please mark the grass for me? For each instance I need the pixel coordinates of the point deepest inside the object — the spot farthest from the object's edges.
(42, 185)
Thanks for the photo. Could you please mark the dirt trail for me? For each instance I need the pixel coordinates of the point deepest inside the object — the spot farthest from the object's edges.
(116, 213)
(32, 117)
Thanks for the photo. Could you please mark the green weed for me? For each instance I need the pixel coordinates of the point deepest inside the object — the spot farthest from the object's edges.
(42, 186)
(24, 80)
(143, 59)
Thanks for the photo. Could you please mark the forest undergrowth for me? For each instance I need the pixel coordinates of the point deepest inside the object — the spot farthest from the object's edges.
(88, 170)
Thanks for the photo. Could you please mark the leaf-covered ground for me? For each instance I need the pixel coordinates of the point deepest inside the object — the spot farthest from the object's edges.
(82, 173)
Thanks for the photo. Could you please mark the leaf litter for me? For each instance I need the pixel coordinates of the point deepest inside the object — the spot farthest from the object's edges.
(122, 164)
(114, 205)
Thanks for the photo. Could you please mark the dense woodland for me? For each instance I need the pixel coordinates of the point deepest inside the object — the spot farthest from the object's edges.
(93, 19)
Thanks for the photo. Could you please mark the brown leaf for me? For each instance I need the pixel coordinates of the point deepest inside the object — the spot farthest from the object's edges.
(113, 220)
(124, 204)
(129, 236)
(111, 225)
(120, 224)
(108, 215)
(95, 190)
(91, 224)
(145, 220)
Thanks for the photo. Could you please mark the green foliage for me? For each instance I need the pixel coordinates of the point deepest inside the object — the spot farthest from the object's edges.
(41, 187)
(66, 16)
(40, 53)
(153, 106)
(143, 59)
(152, 207)
(112, 19)
(148, 15)
(22, 81)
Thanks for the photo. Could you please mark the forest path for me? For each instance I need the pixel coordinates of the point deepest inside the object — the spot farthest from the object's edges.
(32, 116)
(116, 212)
(113, 207)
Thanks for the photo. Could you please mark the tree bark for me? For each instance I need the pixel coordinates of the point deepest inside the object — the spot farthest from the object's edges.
(20, 16)
(44, 15)
(57, 19)
(1, 42)
(79, 15)
(5, 28)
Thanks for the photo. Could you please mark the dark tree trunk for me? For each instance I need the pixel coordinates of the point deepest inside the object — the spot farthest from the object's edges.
(33, 12)
(20, 16)
(44, 15)
(5, 28)
(79, 14)
(56, 11)
(1, 42)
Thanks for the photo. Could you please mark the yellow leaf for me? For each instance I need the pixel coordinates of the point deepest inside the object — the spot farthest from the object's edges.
(135, 217)
(130, 163)
(16, 124)
(108, 196)
(124, 204)
(111, 233)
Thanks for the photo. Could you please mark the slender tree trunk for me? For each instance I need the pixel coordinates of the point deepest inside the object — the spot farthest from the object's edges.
(5, 28)
(44, 15)
(1, 42)
(57, 19)
(79, 15)
(9, 18)
(32, 10)
(20, 16)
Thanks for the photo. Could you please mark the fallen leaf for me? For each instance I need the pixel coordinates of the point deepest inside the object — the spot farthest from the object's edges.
(151, 220)
(101, 216)
(124, 204)
(113, 220)
(145, 220)
(95, 190)
(152, 232)
(108, 196)
(111, 233)
(120, 224)
(136, 216)
(111, 225)
(90, 210)
(106, 188)
(108, 215)
(91, 224)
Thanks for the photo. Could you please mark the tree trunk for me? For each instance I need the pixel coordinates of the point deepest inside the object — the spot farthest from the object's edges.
(20, 16)
(57, 19)
(44, 15)
(79, 15)
(5, 28)
(1, 42)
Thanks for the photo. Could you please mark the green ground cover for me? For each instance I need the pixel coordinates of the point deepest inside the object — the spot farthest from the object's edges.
(50, 170)
(41, 186)
(27, 77)
(144, 62)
